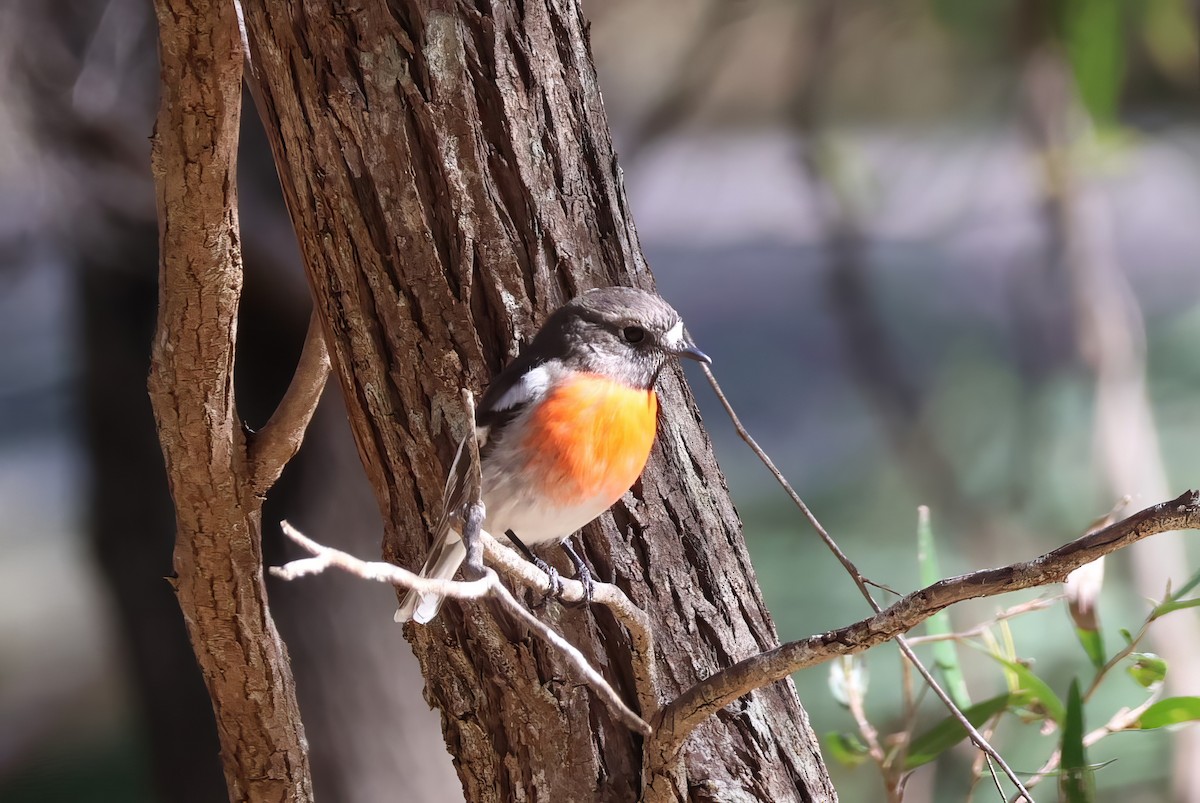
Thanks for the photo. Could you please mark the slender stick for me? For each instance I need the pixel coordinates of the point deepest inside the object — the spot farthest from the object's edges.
(862, 582)
(488, 585)
(684, 713)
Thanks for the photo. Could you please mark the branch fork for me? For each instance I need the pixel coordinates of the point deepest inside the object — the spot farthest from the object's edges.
(487, 586)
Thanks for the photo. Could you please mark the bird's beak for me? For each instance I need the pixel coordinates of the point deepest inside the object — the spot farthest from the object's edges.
(688, 349)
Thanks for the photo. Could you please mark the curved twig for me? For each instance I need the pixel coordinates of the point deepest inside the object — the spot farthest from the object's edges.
(517, 569)
(271, 448)
(677, 720)
(488, 585)
(862, 582)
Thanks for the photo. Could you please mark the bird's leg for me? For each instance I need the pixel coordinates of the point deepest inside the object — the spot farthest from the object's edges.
(583, 573)
(555, 582)
(473, 564)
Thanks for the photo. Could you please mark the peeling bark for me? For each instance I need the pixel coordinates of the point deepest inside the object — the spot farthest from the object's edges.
(449, 171)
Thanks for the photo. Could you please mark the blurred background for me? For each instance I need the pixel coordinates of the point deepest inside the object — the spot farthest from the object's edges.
(942, 253)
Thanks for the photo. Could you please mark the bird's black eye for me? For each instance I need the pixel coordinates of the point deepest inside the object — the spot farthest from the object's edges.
(633, 334)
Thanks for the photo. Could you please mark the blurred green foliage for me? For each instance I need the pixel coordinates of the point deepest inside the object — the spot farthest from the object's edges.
(977, 403)
(1093, 35)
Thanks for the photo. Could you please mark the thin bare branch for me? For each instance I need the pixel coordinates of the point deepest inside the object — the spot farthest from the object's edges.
(520, 571)
(854, 694)
(862, 582)
(277, 442)
(487, 586)
(859, 579)
(682, 715)
(1124, 719)
(1039, 604)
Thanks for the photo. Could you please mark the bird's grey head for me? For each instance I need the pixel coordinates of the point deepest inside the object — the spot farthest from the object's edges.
(621, 332)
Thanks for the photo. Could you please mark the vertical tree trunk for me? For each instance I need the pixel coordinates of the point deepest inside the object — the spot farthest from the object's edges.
(450, 174)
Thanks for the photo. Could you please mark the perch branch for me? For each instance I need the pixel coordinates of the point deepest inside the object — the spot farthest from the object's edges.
(277, 442)
(518, 570)
(682, 715)
(487, 586)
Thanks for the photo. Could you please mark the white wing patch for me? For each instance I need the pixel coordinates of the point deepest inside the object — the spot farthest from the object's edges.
(530, 387)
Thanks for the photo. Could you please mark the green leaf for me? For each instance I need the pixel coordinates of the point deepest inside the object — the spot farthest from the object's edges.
(1093, 644)
(845, 748)
(1125, 634)
(1036, 689)
(1171, 711)
(1093, 35)
(1077, 779)
(945, 653)
(949, 732)
(1174, 605)
(1147, 669)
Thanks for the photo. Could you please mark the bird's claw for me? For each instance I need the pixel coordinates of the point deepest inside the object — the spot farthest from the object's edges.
(584, 576)
(555, 589)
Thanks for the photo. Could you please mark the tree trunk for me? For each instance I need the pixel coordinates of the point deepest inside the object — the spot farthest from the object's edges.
(451, 177)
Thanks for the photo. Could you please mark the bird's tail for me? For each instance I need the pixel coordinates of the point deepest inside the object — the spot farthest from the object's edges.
(445, 556)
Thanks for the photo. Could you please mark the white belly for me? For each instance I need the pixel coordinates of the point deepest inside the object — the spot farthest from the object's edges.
(536, 524)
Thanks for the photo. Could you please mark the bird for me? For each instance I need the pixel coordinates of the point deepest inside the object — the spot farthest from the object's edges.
(563, 431)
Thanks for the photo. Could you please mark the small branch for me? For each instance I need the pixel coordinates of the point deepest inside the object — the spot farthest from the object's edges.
(472, 525)
(1122, 720)
(853, 671)
(517, 570)
(862, 583)
(277, 442)
(859, 579)
(1039, 604)
(682, 715)
(487, 586)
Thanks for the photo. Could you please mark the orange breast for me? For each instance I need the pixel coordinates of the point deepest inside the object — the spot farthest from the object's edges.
(592, 437)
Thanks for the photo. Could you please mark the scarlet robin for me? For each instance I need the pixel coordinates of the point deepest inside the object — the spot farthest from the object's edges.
(565, 429)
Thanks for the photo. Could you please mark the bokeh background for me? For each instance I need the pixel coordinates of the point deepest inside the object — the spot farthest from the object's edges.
(942, 253)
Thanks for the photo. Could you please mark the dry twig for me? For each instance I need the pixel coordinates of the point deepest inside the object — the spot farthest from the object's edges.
(487, 586)
(682, 715)
(1039, 604)
(862, 582)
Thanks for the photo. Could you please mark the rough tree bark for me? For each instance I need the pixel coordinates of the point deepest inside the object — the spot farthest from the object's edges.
(450, 174)
(216, 484)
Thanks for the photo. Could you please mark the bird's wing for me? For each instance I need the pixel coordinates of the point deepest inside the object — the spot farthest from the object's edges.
(510, 394)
